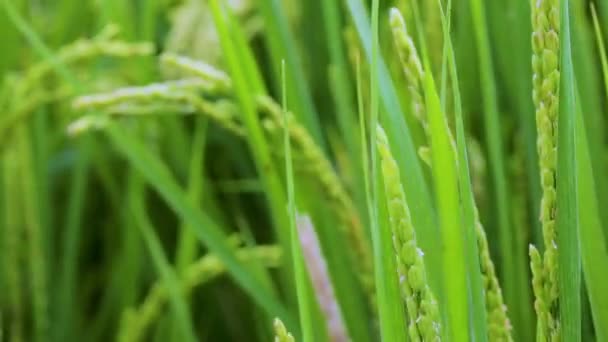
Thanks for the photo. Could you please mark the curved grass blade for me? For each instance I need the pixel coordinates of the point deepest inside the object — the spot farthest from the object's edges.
(157, 175)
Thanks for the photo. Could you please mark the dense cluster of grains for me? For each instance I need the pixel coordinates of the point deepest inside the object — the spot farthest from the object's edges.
(411, 65)
(498, 322)
(545, 47)
(104, 44)
(422, 310)
(183, 95)
(499, 328)
(29, 87)
(199, 69)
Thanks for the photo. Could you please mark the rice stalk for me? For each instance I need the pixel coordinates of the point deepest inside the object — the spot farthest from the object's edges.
(545, 47)
(411, 65)
(422, 308)
(498, 322)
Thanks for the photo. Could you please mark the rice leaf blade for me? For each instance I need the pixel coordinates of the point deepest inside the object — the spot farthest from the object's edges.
(301, 276)
(594, 255)
(163, 267)
(414, 183)
(282, 47)
(391, 317)
(157, 175)
(496, 156)
(445, 176)
(479, 329)
(569, 255)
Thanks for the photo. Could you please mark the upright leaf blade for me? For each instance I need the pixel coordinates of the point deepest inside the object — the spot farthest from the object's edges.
(479, 329)
(594, 254)
(493, 136)
(567, 221)
(414, 183)
(448, 206)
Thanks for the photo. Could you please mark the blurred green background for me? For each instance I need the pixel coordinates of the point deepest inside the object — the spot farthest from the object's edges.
(91, 225)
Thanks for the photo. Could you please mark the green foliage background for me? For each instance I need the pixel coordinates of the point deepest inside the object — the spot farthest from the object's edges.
(165, 221)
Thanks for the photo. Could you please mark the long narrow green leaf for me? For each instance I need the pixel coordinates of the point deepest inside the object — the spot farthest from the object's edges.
(600, 46)
(301, 276)
(594, 254)
(187, 245)
(340, 84)
(478, 316)
(604, 60)
(244, 86)
(205, 229)
(34, 235)
(282, 46)
(585, 61)
(162, 265)
(415, 186)
(445, 177)
(67, 280)
(391, 316)
(496, 154)
(338, 76)
(568, 244)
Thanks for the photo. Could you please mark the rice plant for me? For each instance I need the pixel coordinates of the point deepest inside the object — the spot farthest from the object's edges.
(282, 170)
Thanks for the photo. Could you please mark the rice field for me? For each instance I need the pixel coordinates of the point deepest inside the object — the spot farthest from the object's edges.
(322, 170)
